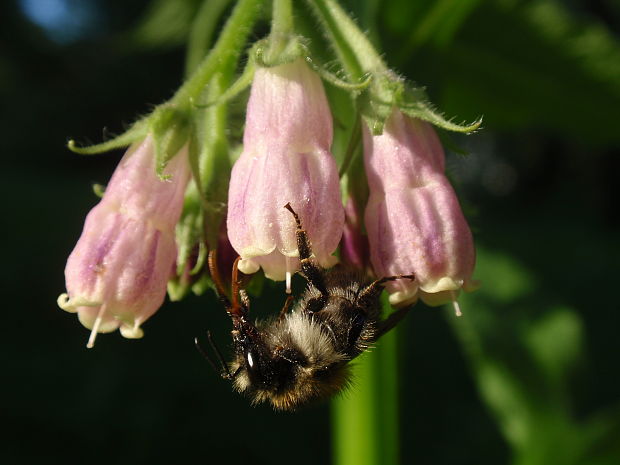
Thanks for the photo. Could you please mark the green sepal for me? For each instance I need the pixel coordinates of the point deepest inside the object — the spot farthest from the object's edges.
(170, 127)
(277, 50)
(377, 103)
(388, 91)
(136, 132)
(417, 105)
(188, 231)
(334, 80)
(203, 284)
(191, 248)
(180, 286)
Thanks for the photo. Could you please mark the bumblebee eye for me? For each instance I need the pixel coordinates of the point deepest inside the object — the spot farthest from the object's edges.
(249, 359)
(251, 364)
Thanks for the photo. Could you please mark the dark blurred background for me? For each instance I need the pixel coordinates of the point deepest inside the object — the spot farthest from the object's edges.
(528, 376)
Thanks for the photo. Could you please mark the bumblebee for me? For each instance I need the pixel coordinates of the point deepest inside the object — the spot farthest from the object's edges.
(303, 355)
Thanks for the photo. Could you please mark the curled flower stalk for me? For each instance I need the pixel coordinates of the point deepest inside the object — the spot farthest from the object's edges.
(116, 275)
(285, 158)
(413, 218)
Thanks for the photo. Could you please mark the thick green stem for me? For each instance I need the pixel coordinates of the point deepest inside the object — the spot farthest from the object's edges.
(365, 420)
(230, 43)
(282, 18)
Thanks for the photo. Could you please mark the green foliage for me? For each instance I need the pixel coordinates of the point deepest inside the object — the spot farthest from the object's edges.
(522, 359)
(523, 65)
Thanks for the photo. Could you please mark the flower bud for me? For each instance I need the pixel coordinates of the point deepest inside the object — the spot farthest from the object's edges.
(413, 218)
(285, 159)
(116, 276)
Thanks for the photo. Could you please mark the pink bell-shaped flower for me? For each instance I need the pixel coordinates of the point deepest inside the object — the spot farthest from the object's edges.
(413, 218)
(285, 158)
(117, 274)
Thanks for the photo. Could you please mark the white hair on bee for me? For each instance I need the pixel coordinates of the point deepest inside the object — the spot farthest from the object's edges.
(312, 337)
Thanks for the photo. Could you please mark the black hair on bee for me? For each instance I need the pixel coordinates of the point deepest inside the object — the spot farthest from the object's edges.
(303, 354)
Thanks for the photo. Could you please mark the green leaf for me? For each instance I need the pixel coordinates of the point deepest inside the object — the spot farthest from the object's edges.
(555, 340)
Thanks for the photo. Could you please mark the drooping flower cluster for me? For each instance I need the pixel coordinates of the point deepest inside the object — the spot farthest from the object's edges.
(151, 230)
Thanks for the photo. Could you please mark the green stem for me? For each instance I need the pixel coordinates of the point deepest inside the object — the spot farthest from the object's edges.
(230, 43)
(282, 18)
(214, 161)
(365, 429)
(353, 48)
(282, 28)
(201, 33)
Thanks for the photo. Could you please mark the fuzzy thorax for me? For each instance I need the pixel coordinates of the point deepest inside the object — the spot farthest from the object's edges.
(317, 371)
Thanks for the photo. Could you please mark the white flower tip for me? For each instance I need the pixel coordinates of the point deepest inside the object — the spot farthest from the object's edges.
(132, 331)
(444, 283)
(247, 266)
(403, 298)
(63, 302)
(288, 282)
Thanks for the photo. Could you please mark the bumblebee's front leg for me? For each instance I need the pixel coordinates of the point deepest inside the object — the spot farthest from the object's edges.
(371, 292)
(310, 270)
(286, 307)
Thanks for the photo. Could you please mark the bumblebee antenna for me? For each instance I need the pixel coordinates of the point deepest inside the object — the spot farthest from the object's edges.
(223, 371)
(206, 356)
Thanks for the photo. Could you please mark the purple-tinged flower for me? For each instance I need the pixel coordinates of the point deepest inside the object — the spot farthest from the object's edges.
(285, 159)
(116, 276)
(413, 218)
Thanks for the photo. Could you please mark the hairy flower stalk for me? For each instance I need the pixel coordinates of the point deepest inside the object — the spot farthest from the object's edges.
(285, 159)
(116, 276)
(413, 218)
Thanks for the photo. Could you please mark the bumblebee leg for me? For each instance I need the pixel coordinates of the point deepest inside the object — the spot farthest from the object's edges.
(310, 270)
(286, 307)
(374, 289)
(239, 280)
(217, 279)
(391, 321)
